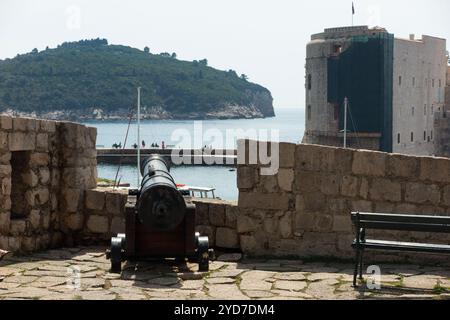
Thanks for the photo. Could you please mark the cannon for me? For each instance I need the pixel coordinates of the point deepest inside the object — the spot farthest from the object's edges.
(159, 222)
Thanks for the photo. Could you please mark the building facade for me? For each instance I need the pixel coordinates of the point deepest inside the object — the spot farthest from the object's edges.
(395, 88)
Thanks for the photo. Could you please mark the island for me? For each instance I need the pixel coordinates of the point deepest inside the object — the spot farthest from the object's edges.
(94, 80)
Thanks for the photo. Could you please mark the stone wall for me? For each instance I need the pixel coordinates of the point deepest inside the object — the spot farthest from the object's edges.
(45, 167)
(304, 210)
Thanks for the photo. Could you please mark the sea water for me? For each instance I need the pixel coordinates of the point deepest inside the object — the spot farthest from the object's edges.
(288, 125)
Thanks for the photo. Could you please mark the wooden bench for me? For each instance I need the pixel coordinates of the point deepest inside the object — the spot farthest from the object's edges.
(400, 222)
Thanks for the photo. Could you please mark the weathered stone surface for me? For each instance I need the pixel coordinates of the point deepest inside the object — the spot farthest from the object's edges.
(42, 142)
(246, 177)
(5, 122)
(4, 222)
(435, 169)
(72, 199)
(369, 163)
(330, 184)
(227, 238)
(217, 215)
(349, 186)
(95, 199)
(115, 202)
(97, 224)
(422, 193)
(285, 179)
(290, 285)
(21, 141)
(285, 225)
(402, 166)
(246, 223)
(287, 155)
(384, 189)
(74, 221)
(231, 214)
(272, 201)
(342, 224)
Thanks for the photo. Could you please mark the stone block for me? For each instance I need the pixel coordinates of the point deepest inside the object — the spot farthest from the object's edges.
(115, 203)
(43, 195)
(34, 219)
(21, 141)
(364, 188)
(323, 222)
(246, 177)
(5, 122)
(268, 184)
(47, 126)
(402, 166)
(304, 221)
(315, 202)
(17, 227)
(28, 244)
(5, 170)
(249, 245)
(247, 223)
(30, 178)
(42, 142)
(338, 206)
(362, 206)
(231, 214)
(342, 224)
(269, 201)
(98, 224)
(4, 222)
(285, 179)
(422, 193)
(446, 195)
(95, 199)
(44, 175)
(330, 184)
(435, 169)
(5, 157)
(287, 154)
(5, 186)
(39, 159)
(74, 221)
(14, 244)
(227, 238)
(72, 199)
(385, 189)
(307, 182)
(19, 124)
(117, 225)
(349, 186)
(201, 213)
(4, 141)
(5, 203)
(369, 163)
(217, 215)
(285, 225)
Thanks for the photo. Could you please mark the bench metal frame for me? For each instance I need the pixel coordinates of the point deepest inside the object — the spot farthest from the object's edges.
(400, 222)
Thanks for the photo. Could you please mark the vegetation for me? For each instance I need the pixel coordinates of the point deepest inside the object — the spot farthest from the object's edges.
(93, 74)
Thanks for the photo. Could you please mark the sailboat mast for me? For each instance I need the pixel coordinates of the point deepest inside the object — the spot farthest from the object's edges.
(139, 137)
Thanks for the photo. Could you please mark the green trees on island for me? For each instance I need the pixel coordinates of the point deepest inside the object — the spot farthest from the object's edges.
(92, 74)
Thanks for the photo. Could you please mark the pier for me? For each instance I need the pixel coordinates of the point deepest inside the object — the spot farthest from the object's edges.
(194, 157)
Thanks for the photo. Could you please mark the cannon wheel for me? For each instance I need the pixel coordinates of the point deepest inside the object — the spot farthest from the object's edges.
(117, 244)
(203, 254)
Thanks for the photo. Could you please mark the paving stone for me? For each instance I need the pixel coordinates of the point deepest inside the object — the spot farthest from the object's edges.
(291, 294)
(255, 280)
(420, 282)
(290, 285)
(20, 279)
(322, 276)
(191, 285)
(226, 273)
(220, 280)
(225, 291)
(164, 281)
(254, 294)
(321, 289)
(291, 276)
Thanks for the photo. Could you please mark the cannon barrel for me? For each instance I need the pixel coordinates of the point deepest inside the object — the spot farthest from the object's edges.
(160, 205)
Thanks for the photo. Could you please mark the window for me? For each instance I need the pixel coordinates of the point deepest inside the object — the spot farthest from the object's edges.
(309, 112)
(424, 136)
(431, 134)
(440, 83)
(412, 136)
(414, 81)
(337, 48)
(400, 80)
(412, 111)
(425, 110)
(432, 83)
(398, 138)
(432, 109)
(309, 81)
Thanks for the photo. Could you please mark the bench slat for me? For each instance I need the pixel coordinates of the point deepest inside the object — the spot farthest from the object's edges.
(404, 246)
(383, 225)
(401, 218)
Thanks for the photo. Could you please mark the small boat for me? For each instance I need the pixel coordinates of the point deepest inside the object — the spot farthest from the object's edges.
(197, 192)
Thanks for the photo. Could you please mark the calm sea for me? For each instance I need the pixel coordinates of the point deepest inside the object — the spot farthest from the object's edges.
(289, 123)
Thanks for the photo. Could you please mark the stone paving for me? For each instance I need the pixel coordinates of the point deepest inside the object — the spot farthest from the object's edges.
(83, 273)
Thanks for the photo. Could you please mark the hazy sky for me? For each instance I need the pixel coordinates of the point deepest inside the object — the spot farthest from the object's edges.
(263, 39)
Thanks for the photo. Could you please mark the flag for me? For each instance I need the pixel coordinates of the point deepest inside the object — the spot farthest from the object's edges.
(353, 8)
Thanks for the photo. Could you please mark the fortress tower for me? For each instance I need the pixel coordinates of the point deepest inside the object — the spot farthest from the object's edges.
(395, 87)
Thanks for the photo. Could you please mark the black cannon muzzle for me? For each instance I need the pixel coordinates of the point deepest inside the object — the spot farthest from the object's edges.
(161, 206)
